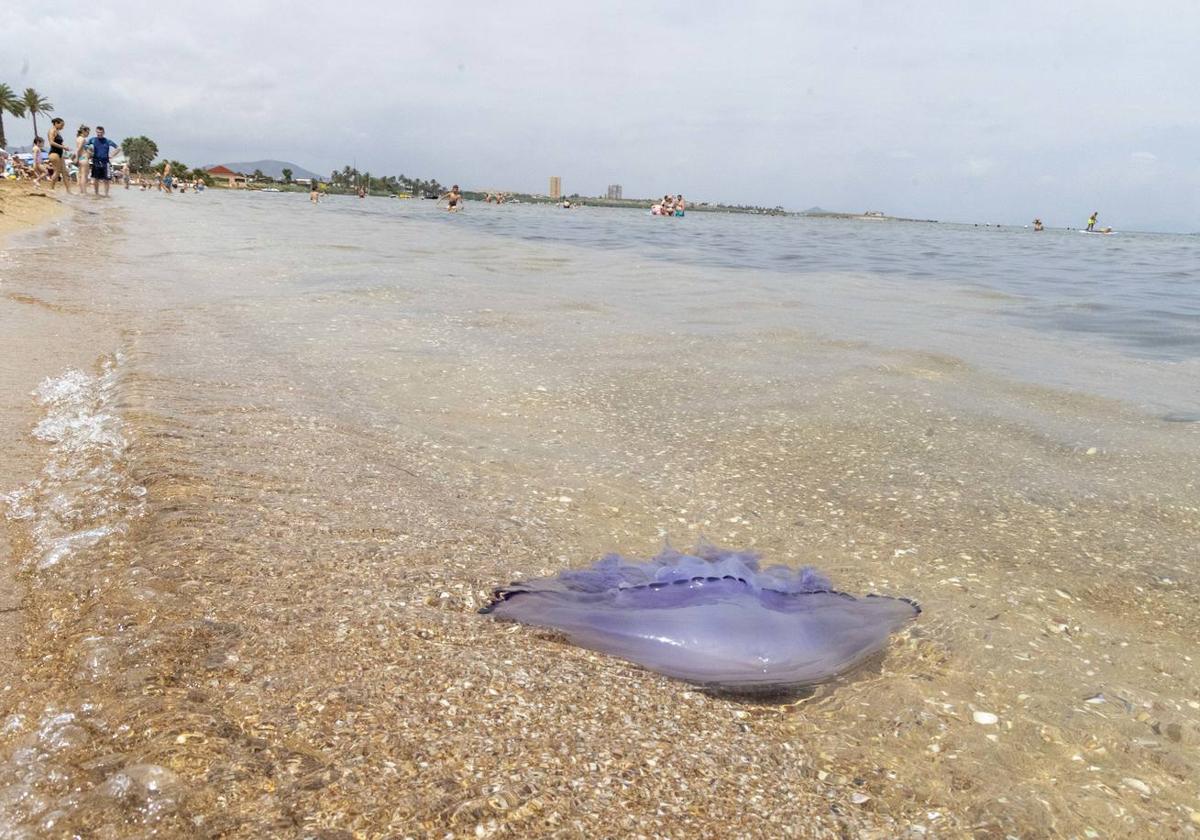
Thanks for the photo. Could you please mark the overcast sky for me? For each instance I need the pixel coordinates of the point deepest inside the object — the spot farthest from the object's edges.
(958, 111)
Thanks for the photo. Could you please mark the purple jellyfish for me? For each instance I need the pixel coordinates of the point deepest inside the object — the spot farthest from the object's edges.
(712, 618)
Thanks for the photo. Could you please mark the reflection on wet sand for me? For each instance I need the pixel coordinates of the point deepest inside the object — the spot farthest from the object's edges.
(284, 640)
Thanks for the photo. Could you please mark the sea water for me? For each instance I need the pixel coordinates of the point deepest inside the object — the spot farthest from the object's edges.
(268, 511)
(1113, 316)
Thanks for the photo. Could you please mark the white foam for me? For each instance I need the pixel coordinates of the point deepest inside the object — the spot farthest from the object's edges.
(84, 494)
(72, 387)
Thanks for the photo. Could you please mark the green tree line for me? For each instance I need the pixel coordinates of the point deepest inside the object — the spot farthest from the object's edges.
(349, 178)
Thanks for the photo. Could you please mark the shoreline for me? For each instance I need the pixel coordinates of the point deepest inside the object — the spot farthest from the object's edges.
(20, 212)
(40, 339)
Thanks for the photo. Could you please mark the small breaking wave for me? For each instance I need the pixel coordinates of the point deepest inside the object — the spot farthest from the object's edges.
(36, 797)
(83, 497)
(84, 494)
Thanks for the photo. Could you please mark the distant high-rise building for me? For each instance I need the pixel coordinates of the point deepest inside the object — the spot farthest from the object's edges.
(614, 190)
(555, 186)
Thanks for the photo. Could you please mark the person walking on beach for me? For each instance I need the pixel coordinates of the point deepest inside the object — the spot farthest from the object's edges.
(100, 148)
(82, 157)
(57, 157)
(1092, 219)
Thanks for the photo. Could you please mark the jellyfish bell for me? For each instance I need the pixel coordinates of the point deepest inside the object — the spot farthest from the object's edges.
(712, 618)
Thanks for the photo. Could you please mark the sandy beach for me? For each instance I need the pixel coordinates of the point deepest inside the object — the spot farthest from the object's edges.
(24, 206)
(325, 465)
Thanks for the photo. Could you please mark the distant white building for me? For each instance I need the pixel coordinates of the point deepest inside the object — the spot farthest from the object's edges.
(614, 191)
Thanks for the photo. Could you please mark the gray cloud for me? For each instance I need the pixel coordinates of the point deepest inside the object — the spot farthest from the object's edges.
(982, 112)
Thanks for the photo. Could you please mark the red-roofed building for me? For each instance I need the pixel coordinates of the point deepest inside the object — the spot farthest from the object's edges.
(233, 180)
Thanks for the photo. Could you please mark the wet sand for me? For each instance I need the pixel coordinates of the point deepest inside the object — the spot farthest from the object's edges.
(284, 642)
(25, 343)
(42, 335)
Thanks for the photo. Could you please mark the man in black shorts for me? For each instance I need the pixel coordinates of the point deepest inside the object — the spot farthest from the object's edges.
(101, 147)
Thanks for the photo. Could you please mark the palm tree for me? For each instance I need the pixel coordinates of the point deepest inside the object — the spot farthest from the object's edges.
(11, 105)
(35, 104)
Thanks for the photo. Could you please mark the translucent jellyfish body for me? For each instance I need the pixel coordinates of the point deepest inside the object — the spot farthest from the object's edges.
(713, 618)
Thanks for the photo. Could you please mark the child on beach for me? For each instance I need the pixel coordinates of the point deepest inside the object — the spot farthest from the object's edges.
(38, 169)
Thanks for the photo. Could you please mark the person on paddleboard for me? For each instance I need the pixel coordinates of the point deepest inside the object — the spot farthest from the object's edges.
(1092, 219)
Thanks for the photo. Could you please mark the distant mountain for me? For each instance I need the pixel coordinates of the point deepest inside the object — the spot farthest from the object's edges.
(273, 168)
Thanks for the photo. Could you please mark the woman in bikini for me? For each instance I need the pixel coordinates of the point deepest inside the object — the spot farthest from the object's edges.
(83, 157)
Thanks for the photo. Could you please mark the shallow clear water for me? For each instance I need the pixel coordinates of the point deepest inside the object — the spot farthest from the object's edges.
(318, 437)
(1136, 290)
(1114, 316)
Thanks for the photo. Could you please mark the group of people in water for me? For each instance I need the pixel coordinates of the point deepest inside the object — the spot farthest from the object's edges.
(669, 206)
(1091, 224)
